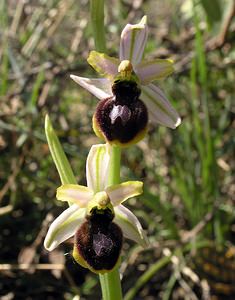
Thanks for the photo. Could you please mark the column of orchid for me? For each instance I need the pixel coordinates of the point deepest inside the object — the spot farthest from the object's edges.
(96, 216)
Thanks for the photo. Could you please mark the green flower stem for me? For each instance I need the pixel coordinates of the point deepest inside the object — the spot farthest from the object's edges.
(97, 21)
(115, 160)
(110, 282)
(111, 285)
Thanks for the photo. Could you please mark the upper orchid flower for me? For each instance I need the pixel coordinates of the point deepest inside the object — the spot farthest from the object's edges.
(142, 72)
(96, 216)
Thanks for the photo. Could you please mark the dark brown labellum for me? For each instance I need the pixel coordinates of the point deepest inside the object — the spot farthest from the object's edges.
(124, 116)
(99, 242)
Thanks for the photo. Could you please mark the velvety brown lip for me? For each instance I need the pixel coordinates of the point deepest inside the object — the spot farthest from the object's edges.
(123, 116)
(99, 242)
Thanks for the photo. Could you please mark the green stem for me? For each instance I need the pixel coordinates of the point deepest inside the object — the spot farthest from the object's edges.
(111, 285)
(97, 21)
(114, 171)
(110, 282)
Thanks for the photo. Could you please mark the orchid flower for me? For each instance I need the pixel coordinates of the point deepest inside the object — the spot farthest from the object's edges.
(132, 44)
(96, 195)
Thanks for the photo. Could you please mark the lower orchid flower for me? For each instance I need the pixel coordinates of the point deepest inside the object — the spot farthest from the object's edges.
(97, 218)
(119, 74)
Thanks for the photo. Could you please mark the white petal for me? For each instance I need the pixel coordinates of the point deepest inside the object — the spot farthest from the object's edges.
(64, 226)
(100, 87)
(105, 65)
(159, 108)
(118, 193)
(74, 193)
(148, 71)
(133, 40)
(130, 225)
(97, 167)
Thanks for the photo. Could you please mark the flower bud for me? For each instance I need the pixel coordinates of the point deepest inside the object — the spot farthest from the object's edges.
(121, 119)
(98, 241)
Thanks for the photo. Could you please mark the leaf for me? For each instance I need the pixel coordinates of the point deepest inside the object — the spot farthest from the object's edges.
(58, 155)
(212, 10)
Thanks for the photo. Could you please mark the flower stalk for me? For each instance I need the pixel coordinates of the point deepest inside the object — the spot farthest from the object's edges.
(115, 162)
(110, 282)
(97, 21)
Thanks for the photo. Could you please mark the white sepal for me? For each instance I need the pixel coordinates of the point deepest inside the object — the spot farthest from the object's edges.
(119, 193)
(97, 167)
(101, 87)
(130, 225)
(64, 226)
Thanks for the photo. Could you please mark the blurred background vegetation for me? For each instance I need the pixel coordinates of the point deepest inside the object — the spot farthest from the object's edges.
(188, 205)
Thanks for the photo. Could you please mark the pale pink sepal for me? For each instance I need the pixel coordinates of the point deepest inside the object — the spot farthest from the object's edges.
(64, 226)
(133, 40)
(148, 71)
(101, 87)
(159, 108)
(130, 225)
